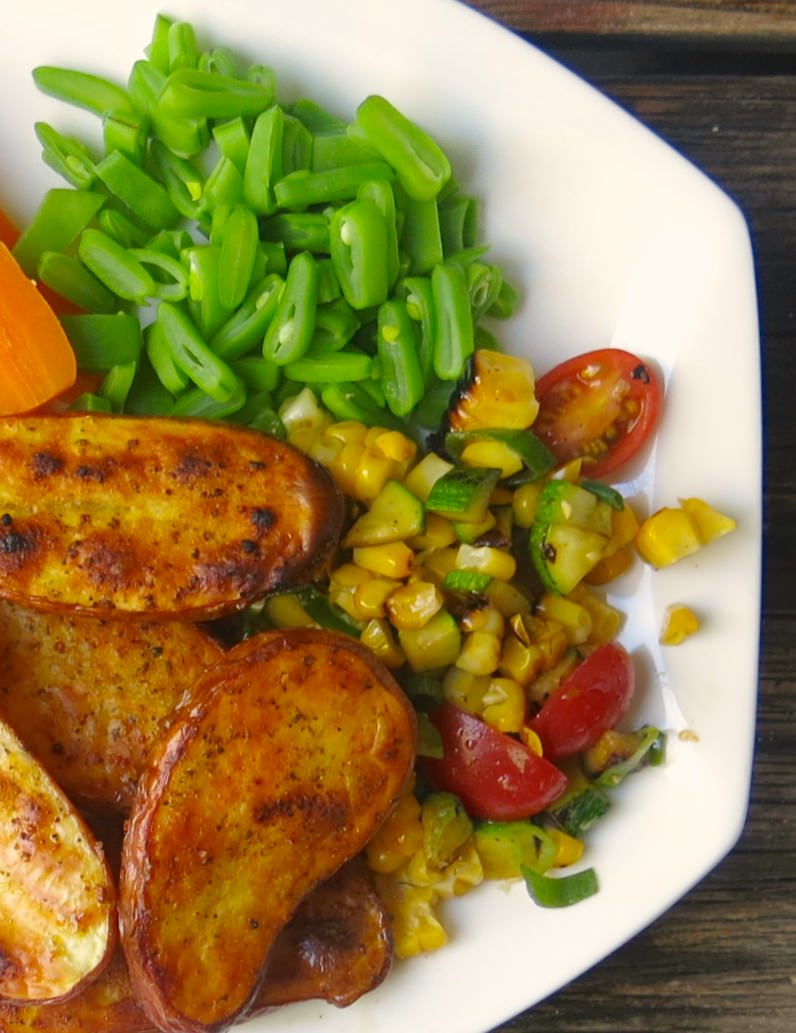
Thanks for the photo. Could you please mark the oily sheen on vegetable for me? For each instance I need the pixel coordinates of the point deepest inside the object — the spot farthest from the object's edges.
(156, 517)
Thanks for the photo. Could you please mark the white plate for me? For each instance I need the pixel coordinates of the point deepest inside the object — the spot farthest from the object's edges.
(615, 240)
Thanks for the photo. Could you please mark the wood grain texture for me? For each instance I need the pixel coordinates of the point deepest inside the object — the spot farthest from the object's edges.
(723, 960)
(768, 22)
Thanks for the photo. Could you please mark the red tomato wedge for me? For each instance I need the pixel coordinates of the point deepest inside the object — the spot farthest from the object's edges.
(494, 775)
(602, 406)
(590, 701)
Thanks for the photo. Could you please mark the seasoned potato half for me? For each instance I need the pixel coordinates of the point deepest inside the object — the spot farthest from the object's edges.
(89, 697)
(57, 900)
(335, 948)
(285, 761)
(117, 515)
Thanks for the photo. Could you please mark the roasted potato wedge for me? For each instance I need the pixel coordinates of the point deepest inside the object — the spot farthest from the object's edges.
(89, 697)
(336, 948)
(280, 768)
(57, 899)
(138, 516)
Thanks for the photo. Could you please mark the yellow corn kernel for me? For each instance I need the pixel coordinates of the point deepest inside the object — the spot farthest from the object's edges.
(523, 503)
(345, 465)
(667, 536)
(436, 644)
(519, 661)
(569, 471)
(413, 605)
(395, 445)
(624, 528)
(548, 681)
(436, 563)
(484, 618)
(679, 622)
(464, 689)
(398, 838)
(369, 597)
(711, 523)
(504, 705)
(422, 477)
(606, 620)
(325, 450)
(415, 926)
(343, 583)
(303, 419)
(610, 567)
(498, 563)
(372, 473)
(568, 849)
(438, 533)
(531, 740)
(553, 643)
(350, 432)
(507, 598)
(573, 618)
(393, 560)
(378, 636)
(480, 653)
(285, 611)
(453, 880)
(492, 454)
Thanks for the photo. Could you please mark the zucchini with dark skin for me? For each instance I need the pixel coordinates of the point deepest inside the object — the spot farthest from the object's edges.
(155, 517)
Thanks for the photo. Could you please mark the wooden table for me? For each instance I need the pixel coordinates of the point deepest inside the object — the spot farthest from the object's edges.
(718, 80)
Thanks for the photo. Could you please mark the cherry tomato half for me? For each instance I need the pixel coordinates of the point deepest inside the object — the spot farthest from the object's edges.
(590, 701)
(602, 405)
(494, 775)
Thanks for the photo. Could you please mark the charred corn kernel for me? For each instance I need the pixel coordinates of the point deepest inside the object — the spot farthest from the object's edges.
(350, 432)
(484, 618)
(415, 926)
(519, 661)
(504, 705)
(399, 837)
(465, 689)
(369, 597)
(438, 533)
(437, 644)
(548, 681)
(531, 740)
(569, 850)
(498, 563)
(378, 636)
(679, 622)
(413, 605)
(606, 620)
(507, 598)
(424, 475)
(574, 618)
(285, 611)
(463, 873)
(667, 536)
(436, 563)
(552, 641)
(492, 454)
(393, 560)
(523, 503)
(345, 466)
(480, 653)
(371, 474)
(711, 523)
(500, 393)
(611, 567)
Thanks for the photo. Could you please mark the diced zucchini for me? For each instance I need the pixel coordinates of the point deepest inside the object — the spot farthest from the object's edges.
(462, 494)
(617, 754)
(568, 535)
(531, 452)
(436, 644)
(578, 809)
(562, 502)
(395, 514)
(466, 581)
(505, 846)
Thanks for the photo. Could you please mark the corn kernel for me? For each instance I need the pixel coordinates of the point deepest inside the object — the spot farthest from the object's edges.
(325, 450)
(492, 454)
(415, 928)
(399, 837)
(303, 418)
(667, 536)
(393, 560)
(436, 563)
(438, 533)
(519, 661)
(484, 618)
(531, 740)
(422, 477)
(464, 689)
(496, 562)
(500, 393)
(369, 597)
(679, 622)
(568, 849)
(378, 636)
(606, 620)
(413, 605)
(350, 432)
(610, 567)
(569, 471)
(345, 466)
(711, 523)
(507, 598)
(523, 503)
(548, 681)
(624, 528)
(372, 473)
(552, 642)
(574, 618)
(504, 705)
(480, 653)
(395, 445)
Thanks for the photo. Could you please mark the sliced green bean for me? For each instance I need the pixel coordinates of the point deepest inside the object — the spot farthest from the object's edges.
(142, 194)
(83, 90)
(182, 47)
(68, 157)
(330, 367)
(315, 117)
(157, 50)
(333, 147)
(115, 266)
(304, 188)
(416, 292)
(457, 220)
(237, 257)
(401, 377)
(123, 230)
(67, 276)
(126, 131)
(59, 220)
(299, 231)
(257, 373)
(232, 139)
(421, 237)
(264, 160)
(117, 383)
(380, 192)
(185, 137)
(290, 331)
(218, 61)
(193, 93)
(102, 341)
(336, 323)
(453, 321)
(351, 401)
(245, 328)
(296, 146)
(175, 285)
(184, 183)
(206, 307)
(198, 405)
(162, 361)
(192, 355)
(91, 402)
(358, 238)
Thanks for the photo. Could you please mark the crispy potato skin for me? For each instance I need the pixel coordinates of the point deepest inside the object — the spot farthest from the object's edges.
(89, 697)
(286, 759)
(335, 948)
(57, 898)
(156, 517)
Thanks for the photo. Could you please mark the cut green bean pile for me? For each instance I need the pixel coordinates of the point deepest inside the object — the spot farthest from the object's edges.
(227, 249)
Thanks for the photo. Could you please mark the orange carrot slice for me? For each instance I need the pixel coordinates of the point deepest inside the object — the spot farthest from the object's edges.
(35, 355)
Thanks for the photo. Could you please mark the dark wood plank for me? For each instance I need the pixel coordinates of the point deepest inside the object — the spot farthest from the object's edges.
(768, 23)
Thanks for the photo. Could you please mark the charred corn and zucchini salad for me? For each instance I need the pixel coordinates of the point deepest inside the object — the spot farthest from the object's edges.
(390, 505)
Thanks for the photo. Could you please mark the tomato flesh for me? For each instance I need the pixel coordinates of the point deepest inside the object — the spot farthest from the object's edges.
(601, 406)
(590, 701)
(494, 775)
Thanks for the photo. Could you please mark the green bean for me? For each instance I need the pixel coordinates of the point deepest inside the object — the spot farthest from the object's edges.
(380, 192)
(123, 230)
(102, 341)
(233, 139)
(333, 147)
(66, 156)
(126, 131)
(330, 367)
(158, 48)
(191, 354)
(264, 160)
(290, 331)
(299, 231)
(67, 276)
(421, 237)
(142, 194)
(454, 340)
(115, 266)
(59, 220)
(316, 118)
(147, 397)
(401, 377)
(302, 189)
(484, 284)
(185, 137)
(358, 238)
(175, 286)
(117, 383)
(91, 402)
(336, 323)
(181, 43)
(246, 327)
(162, 361)
(206, 307)
(183, 181)
(83, 90)
(198, 405)
(218, 61)
(237, 257)
(257, 373)
(351, 401)
(505, 305)
(416, 292)
(296, 146)
(193, 93)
